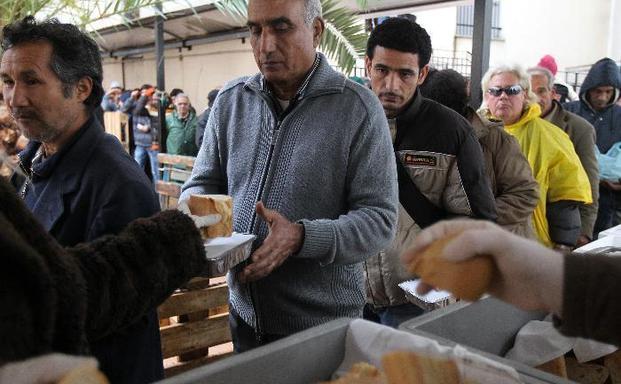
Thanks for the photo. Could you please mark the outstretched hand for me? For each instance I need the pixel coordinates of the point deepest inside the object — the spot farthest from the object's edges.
(527, 274)
(284, 239)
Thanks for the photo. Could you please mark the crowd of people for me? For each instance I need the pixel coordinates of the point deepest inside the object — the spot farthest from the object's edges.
(183, 129)
(341, 183)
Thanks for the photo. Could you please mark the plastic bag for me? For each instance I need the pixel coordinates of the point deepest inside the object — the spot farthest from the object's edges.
(610, 163)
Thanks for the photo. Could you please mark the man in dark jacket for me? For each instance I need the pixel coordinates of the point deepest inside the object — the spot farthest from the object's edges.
(145, 127)
(439, 161)
(599, 92)
(81, 184)
(582, 135)
(204, 117)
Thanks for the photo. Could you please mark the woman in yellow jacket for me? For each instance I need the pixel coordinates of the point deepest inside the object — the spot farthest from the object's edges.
(563, 183)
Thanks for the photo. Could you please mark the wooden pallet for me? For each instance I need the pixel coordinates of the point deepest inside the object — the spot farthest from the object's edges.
(117, 124)
(174, 171)
(194, 325)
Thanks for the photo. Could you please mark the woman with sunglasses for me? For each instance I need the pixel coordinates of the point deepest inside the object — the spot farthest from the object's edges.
(563, 183)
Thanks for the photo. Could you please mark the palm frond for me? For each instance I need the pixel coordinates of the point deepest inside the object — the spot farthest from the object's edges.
(237, 9)
(345, 38)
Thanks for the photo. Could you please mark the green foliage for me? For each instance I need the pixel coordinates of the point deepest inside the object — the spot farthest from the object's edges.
(80, 12)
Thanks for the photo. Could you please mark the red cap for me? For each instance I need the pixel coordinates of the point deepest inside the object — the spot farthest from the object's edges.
(548, 63)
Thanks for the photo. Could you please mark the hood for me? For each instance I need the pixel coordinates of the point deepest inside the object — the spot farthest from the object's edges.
(531, 112)
(603, 72)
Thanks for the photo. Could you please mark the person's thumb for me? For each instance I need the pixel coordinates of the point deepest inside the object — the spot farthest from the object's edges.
(266, 214)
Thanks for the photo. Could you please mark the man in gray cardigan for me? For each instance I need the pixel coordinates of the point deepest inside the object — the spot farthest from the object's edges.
(307, 156)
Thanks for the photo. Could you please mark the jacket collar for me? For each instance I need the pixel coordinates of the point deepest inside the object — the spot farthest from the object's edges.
(321, 79)
(531, 112)
(481, 124)
(406, 118)
(410, 111)
(61, 174)
(556, 114)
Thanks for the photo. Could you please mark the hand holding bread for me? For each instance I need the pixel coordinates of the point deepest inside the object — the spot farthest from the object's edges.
(525, 273)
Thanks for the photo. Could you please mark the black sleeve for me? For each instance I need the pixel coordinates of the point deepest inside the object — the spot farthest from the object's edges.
(200, 128)
(591, 297)
(563, 221)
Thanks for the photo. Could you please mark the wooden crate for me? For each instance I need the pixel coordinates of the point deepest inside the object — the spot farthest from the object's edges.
(174, 171)
(117, 124)
(194, 326)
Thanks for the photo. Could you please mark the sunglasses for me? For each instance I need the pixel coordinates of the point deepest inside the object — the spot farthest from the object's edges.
(510, 91)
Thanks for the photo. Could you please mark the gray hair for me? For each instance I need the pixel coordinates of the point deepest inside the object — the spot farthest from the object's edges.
(182, 95)
(312, 10)
(543, 72)
(519, 72)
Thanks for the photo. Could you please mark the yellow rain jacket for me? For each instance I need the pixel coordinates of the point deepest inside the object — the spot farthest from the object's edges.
(556, 167)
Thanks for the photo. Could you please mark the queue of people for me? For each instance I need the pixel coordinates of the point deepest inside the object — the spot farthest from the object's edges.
(341, 184)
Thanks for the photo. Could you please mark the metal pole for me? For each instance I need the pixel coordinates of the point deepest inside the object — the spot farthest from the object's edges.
(481, 37)
(161, 79)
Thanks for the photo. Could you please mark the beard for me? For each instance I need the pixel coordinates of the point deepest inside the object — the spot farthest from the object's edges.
(34, 128)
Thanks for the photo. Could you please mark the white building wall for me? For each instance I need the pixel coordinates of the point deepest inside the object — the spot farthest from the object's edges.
(196, 71)
(575, 32)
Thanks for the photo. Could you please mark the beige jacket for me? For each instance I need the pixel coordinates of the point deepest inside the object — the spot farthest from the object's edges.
(582, 135)
(515, 190)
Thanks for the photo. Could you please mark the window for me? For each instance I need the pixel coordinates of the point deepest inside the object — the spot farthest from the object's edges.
(465, 20)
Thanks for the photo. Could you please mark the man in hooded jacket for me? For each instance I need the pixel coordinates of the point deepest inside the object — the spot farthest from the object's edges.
(599, 92)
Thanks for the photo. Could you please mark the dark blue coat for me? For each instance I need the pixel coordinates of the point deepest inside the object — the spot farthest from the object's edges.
(90, 188)
(607, 122)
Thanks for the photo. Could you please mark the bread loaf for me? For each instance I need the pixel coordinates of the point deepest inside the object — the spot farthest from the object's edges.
(402, 367)
(467, 279)
(84, 375)
(202, 205)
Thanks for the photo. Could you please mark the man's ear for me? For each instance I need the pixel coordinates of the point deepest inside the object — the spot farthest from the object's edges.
(318, 27)
(84, 88)
(422, 75)
(368, 64)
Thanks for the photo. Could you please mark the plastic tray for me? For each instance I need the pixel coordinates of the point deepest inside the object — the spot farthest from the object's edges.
(309, 357)
(223, 253)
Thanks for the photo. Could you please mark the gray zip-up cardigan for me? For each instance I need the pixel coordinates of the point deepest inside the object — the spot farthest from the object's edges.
(328, 164)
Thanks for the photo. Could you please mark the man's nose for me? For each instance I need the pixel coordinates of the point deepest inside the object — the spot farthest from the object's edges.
(392, 82)
(267, 42)
(16, 96)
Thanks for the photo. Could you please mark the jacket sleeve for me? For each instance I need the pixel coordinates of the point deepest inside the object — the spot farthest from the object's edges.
(128, 106)
(474, 181)
(370, 223)
(591, 305)
(517, 190)
(563, 221)
(129, 274)
(585, 148)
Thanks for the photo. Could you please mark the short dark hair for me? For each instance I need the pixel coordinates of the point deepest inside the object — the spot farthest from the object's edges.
(175, 92)
(402, 35)
(448, 88)
(211, 96)
(74, 54)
